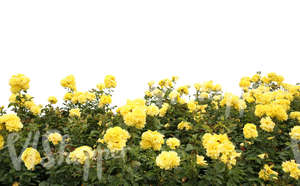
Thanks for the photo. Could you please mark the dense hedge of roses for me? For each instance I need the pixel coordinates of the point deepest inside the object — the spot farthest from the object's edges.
(174, 135)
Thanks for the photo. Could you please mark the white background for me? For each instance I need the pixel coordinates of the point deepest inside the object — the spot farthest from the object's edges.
(139, 41)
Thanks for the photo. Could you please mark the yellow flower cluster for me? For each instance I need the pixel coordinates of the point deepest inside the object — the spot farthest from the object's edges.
(218, 146)
(167, 160)
(152, 139)
(245, 82)
(11, 122)
(207, 86)
(295, 133)
(69, 82)
(163, 110)
(292, 168)
(194, 107)
(157, 92)
(263, 95)
(31, 157)
(173, 143)
(55, 138)
(148, 93)
(79, 154)
(174, 95)
(165, 83)
(232, 100)
(52, 100)
(210, 86)
(68, 96)
(183, 90)
(13, 98)
(181, 100)
(100, 86)
(267, 173)
(200, 161)
(104, 100)
(272, 110)
(19, 82)
(273, 77)
(292, 89)
(204, 95)
(1, 142)
(274, 104)
(248, 96)
(267, 124)
(110, 81)
(250, 131)
(197, 86)
(184, 125)
(75, 112)
(116, 138)
(134, 113)
(295, 115)
(255, 78)
(27, 101)
(82, 97)
(35, 109)
(151, 84)
(152, 110)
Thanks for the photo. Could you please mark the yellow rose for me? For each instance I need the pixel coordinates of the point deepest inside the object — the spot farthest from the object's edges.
(184, 125)
(152, 139)
(55, 138)
(201, 161)
(250, 131)
(163, 110)
(267, 124)
(19, 82)
(68, 96)
(295, 133)
(134, 113)
(100, 86)
(218, 146)
(110, 81)
(104, 100)
(69, 82)
(31, 157)
(79, 154)
(167, 160)
(255, 78)
(266, 173)
(152, 110)
(245, 82)
(292, 168)
(52, 100)
(173, 143)
(116, 138)
(151, 83)
(11, 122)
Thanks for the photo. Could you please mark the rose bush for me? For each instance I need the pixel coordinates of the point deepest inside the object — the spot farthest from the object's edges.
(174, 135)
